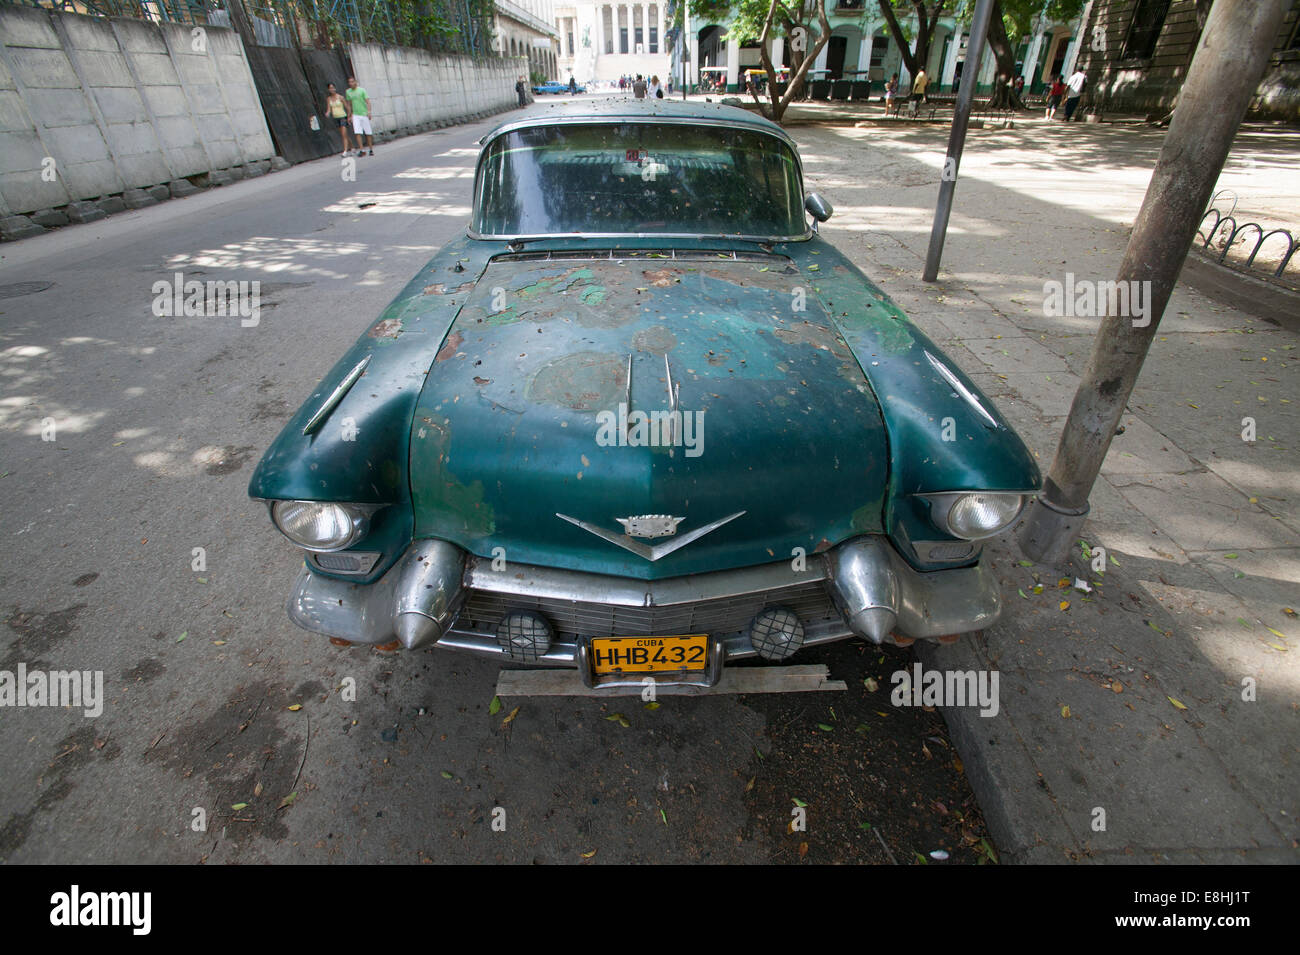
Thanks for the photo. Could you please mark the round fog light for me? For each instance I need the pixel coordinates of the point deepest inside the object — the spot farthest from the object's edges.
(776, 634)
(525, 637)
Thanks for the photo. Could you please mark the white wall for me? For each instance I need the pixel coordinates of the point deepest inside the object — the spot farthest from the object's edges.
(117, 104)
(410, 87)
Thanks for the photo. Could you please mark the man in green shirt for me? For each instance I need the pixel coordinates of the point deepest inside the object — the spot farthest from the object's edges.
(360, 106)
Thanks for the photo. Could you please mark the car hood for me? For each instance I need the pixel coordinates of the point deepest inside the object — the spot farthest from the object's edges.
(529, 411)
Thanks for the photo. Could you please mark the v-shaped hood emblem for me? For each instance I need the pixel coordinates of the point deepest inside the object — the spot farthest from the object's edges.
(648, 551)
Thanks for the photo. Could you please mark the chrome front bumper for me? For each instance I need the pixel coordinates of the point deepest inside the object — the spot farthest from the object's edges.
(437, 595)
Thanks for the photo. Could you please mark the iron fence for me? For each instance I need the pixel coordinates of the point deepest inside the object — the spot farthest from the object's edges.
(1225, 232)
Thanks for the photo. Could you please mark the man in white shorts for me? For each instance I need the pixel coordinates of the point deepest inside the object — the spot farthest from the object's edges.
(360, 107)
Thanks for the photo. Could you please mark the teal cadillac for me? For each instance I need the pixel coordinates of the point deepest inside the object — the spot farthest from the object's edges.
(642, 420)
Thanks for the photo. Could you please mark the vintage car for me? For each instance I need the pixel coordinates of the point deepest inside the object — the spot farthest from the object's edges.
(641, 419)
(555, 86)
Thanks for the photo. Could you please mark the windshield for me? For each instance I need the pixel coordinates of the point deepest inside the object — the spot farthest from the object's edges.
(639, 178)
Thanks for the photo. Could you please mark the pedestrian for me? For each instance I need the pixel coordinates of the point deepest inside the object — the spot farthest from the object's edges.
(337, 109)
(573, 86)
(891, 95)
(639, 87)
(1020, 85)
(360, 104)
(1054, 94)
(1074, 90)
(656, 91)
(520, 91)
(918, 92)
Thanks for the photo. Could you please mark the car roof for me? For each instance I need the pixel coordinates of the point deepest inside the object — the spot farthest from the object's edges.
(640, 111)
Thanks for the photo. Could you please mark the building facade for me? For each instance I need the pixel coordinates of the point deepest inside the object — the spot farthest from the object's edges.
(527, 28)
(599, 42)
(1139, 52)
(862, 47)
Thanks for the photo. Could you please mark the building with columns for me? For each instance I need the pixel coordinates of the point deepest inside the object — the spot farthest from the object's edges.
(599, 42)
(862, 47)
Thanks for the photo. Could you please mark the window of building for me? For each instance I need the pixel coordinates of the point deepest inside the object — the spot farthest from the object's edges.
(1144, 30)
(880, 46)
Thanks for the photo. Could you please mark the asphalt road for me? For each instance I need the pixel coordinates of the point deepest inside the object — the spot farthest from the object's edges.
(213, 700)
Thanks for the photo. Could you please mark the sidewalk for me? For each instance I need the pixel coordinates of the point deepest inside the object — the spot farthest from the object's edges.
(1123, 734)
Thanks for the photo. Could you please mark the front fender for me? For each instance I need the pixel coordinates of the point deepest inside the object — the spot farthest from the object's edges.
(360, 452)
(928, 452)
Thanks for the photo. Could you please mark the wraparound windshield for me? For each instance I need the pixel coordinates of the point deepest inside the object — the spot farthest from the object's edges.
(639, 178)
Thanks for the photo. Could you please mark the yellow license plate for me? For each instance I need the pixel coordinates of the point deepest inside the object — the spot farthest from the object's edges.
(649, 654)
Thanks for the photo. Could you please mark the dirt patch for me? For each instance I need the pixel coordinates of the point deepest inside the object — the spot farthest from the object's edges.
(224, 460)
(145, 671)
(71, 753)
(877, 783)
(246, 756)
(38, 633)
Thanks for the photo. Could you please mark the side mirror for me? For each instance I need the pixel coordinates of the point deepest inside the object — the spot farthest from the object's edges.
(817, 207)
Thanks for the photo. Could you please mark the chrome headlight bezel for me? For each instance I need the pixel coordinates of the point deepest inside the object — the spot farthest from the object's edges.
(357, 517)
(943, 504)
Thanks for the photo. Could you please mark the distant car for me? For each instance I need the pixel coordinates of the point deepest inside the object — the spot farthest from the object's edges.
(642, 420)
(553, 86)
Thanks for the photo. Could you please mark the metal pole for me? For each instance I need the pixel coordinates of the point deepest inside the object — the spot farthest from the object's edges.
(979, 29)
(1225, 72)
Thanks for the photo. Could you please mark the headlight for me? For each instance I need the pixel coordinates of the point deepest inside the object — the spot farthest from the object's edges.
(977, 514)
(318, 525)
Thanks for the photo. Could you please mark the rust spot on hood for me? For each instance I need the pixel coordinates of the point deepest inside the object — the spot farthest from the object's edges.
(450, 346)
(440, 288)
(388, 328)
(662, 278)
(808, 333)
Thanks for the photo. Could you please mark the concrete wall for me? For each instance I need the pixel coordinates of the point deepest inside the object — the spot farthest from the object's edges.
(118, 104)
(412, 89)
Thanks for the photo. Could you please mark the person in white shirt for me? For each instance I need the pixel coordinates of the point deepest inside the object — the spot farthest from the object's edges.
(1075, 86)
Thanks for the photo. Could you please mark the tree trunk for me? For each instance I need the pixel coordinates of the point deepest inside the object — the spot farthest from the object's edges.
(1005, 58)
(778, 104)
(896, 31)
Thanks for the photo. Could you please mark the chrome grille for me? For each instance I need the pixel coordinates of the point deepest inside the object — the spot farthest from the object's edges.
(483, 610)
